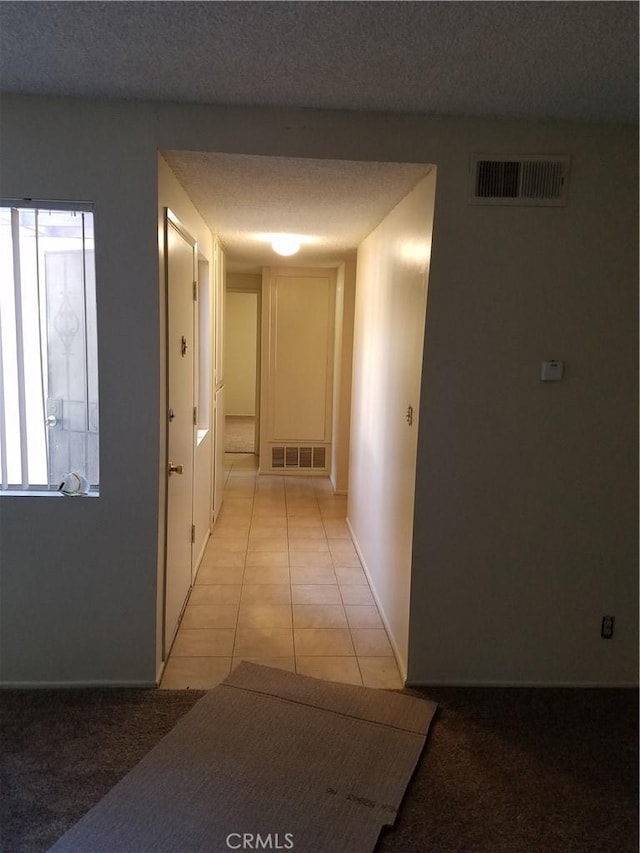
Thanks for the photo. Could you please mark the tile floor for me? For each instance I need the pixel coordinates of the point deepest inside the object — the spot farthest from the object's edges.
(281, 584)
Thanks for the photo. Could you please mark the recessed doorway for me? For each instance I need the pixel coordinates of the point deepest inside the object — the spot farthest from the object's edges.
(242, 317)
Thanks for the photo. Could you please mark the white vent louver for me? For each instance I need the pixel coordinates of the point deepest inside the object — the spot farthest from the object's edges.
(531, 180)
(299, 457)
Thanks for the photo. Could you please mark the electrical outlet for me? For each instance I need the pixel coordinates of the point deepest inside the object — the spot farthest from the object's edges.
(606, 630)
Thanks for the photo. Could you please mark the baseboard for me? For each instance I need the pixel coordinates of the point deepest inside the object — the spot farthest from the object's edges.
(73, 685)
(570, 685)
(201, 555)
(383, 616)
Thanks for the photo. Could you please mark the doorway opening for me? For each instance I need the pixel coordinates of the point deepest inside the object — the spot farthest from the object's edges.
(242, 357)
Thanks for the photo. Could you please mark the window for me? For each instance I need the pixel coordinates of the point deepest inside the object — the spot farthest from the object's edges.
(48, 345)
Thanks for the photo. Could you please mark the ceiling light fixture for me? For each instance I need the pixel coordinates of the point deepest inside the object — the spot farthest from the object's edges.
(285, 245)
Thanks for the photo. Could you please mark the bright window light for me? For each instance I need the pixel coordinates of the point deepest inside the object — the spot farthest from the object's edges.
(48, 346)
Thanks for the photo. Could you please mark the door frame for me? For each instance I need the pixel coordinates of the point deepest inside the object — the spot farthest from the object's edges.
(171, 220)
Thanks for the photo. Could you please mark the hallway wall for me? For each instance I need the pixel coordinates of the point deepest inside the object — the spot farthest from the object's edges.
(526, 526)
(172, 195)
(391, 300)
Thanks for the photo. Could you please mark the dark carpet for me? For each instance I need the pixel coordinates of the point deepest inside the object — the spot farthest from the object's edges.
(512, 770)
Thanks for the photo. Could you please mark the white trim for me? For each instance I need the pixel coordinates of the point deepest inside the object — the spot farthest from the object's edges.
(385, 621)
(17, 291)
(48, 204)
(198, 562)
(578, 685)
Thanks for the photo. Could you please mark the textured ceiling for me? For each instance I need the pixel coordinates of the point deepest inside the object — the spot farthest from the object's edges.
(522, 60)
(530, 60)
(331, 204)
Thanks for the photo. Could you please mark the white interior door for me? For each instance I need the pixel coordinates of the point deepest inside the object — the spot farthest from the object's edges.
(180, 253)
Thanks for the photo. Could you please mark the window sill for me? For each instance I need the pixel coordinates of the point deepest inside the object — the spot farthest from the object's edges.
(42, 493)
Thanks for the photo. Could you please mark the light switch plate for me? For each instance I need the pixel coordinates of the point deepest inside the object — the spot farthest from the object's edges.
(551, 371)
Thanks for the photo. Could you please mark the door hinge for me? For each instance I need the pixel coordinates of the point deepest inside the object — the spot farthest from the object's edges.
(195, 291)
(195, 416)
(193, 533)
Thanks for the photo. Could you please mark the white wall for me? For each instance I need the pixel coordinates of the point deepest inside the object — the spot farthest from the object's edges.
(391, 299)
(241, 327)
(79, 577)
(342, 369)
(526, 503)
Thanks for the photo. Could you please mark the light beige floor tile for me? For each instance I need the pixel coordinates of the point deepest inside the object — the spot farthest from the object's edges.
(270, 480)
(337, 508)
(215, 593)
(336, 528)
(343, 669)
(322, 641)
(262, 521)
(350, 574)
(302, 502)
(203, 642)
(269, 543)
(316, 546)
(259, 531)
(287, 663)
(233, 506)
(317, 533)
(315, 594)
(304, 512)
(323, 487)
(262, 513)
(363, 616)
(264, 616)
(312, 575)
(227, 545)
(228, 530)
(310, 560)
(346, 561)
(266, 593)
(356, 594)
(266, 575)
(201, 673)
(228, 559)
(298, 521)
(220, 574)
(267, 558)
(209, 616)
(235, 492)
(263, 642)
(342, 547)
(371, 642)
(380, 672)
(319, 616)
(261, 507)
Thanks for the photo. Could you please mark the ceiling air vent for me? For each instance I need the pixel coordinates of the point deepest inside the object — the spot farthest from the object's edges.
(532, 180)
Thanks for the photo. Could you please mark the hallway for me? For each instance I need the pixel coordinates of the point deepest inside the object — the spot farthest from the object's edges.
(281, 584)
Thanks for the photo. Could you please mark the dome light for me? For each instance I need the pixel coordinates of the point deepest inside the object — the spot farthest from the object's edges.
(285, 245)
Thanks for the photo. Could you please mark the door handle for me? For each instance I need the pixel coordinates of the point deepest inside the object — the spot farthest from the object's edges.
(175, 469)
